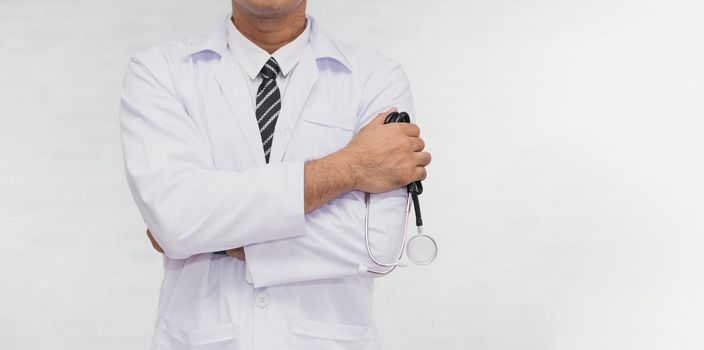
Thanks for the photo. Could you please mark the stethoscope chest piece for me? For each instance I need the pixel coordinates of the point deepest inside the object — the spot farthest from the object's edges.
(421, 249)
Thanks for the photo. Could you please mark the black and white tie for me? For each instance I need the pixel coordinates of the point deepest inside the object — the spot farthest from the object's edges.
(268, 104)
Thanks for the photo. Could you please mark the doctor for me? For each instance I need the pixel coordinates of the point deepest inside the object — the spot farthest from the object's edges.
(260, 139)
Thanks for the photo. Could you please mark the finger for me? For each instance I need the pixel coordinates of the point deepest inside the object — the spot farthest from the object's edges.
(234, 253)
(423, 158)
(418, 144)
(237, 253)
(410, 129)
(155, 245)
(419, 173)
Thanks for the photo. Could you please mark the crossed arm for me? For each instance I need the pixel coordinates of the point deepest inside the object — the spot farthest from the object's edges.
(191, 208)
(380, 158)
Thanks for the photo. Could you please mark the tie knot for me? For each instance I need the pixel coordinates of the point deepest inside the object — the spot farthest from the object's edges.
(270, 69)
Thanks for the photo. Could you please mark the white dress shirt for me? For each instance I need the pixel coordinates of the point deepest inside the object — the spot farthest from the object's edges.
(252, 57)
(196, 168)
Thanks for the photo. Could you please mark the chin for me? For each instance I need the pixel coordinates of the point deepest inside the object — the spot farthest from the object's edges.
(268, 8)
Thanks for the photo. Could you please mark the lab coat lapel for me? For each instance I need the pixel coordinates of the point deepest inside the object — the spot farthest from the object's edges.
(303, 78)
(233, 84)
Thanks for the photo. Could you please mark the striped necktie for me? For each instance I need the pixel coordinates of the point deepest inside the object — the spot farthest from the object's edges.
(268, 104)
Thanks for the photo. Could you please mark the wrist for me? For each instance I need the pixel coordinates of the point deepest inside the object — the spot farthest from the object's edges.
(343, 162)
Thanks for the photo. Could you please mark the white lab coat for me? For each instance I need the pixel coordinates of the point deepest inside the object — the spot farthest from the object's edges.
(196, 169)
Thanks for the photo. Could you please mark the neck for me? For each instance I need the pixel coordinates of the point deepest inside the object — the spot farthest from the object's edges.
(270, 33)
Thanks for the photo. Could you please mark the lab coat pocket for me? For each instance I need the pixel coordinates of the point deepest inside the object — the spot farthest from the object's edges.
(321, 133)
(173, 336)
(311, 334)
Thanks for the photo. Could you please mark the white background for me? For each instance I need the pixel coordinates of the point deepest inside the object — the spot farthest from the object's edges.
(566, 189)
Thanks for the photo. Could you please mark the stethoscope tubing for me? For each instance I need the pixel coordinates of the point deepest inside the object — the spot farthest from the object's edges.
(391, 265)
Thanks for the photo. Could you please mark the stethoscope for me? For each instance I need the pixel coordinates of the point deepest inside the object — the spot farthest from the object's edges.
(420, 249)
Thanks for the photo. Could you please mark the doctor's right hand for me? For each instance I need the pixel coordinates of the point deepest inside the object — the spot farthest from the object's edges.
(383, 157)
(237, 253)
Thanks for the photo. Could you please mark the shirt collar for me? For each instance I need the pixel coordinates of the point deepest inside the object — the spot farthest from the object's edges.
(321, 46)
(252, 58)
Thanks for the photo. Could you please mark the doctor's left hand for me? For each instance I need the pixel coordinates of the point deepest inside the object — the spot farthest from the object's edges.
(237, 253)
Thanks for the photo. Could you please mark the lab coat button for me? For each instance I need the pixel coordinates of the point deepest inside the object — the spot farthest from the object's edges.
(262, 300)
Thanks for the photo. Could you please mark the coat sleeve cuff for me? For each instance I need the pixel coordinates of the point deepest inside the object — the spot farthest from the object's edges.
(262, 269)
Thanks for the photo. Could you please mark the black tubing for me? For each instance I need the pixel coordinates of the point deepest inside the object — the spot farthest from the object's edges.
(414, 188)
